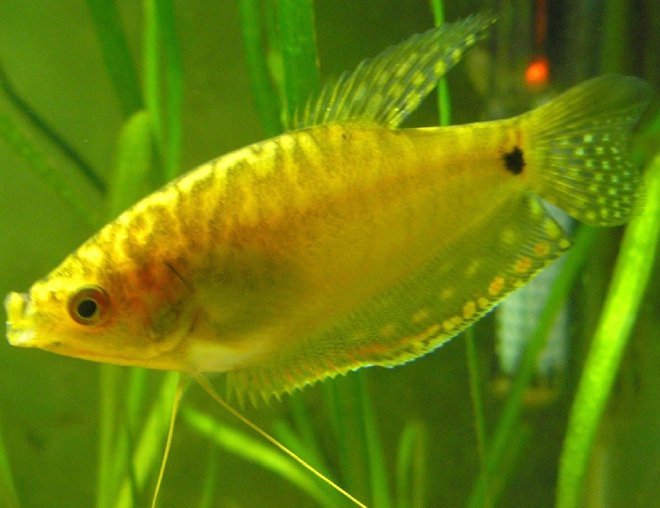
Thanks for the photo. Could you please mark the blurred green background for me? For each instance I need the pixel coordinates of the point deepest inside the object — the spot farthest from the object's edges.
(49, 405)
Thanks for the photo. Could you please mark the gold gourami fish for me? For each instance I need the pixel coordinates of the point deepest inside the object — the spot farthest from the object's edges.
(345, 242)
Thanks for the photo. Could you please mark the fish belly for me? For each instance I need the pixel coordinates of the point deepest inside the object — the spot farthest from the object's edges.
(334, 244)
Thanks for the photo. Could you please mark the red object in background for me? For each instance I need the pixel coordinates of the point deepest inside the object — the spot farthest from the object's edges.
(537, 73)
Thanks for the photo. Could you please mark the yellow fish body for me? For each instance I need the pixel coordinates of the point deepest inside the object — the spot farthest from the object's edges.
(346, 242)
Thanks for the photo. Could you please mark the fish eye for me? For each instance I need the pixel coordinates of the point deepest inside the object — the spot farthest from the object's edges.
(89, 305)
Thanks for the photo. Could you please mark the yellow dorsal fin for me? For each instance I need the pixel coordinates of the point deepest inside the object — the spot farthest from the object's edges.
(386, 89)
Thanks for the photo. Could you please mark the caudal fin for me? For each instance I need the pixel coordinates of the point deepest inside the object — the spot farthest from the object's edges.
(578, 149)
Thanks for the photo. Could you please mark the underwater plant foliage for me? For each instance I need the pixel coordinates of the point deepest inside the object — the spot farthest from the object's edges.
(49, 405)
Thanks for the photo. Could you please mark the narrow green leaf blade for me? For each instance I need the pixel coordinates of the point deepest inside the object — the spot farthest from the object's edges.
(39, 123)
(108, 408)
(114, 47)
(174, 87)
(508, 424)
(148, 453)
(298, 41)
(8, 495)
(380, 490)
(133, 163)
(411, 467)
(263, 89)
(253, 450)
(631, 276)
(24, 147)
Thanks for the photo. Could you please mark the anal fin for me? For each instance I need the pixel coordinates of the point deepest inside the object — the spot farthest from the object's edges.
(463, 281)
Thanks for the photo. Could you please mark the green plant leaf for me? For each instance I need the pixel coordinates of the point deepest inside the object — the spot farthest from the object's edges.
(411, 467)
(625, 293)
(255, 451)
(50, 133)
(163, 101)
(508, 424)
(24, 147)
(148, 452)
(114, 47)
(299, 56)
(133, 178)
(8, 495)
(263, 89)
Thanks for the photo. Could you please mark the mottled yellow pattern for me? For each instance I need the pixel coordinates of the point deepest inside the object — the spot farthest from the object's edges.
(343, 243)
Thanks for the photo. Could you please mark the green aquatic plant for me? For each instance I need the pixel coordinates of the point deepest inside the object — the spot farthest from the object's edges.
(148, 152)
(8, 494)
(629, 283)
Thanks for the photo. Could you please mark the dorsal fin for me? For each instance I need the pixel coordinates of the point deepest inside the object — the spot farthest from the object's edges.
(386, 89)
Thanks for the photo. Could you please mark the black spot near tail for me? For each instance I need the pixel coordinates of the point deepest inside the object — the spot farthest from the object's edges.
(514, 161)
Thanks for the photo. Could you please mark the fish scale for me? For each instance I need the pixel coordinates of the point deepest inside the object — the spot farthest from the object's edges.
(346, 242)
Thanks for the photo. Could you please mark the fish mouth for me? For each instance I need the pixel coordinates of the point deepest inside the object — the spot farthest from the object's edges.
(19, 331)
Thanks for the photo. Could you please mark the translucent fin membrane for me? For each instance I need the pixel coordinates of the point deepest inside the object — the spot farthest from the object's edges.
(422, 311)
(387, 88)
(578, 149)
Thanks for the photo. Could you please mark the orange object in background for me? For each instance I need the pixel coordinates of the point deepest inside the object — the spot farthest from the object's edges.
(537, 74)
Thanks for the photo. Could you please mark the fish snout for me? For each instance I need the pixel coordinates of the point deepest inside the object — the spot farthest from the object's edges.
(19, 327)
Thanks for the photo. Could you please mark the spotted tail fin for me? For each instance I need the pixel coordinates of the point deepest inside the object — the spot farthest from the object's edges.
(577, 151)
